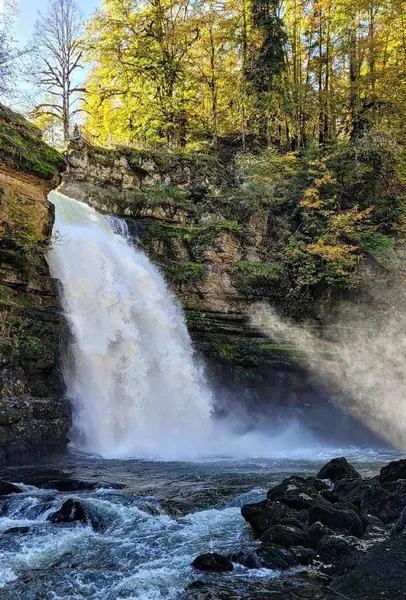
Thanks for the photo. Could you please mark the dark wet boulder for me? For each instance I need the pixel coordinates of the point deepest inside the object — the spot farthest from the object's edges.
(394, 471)
(263, 515)
(7, 488)
(347, 506)
(248, 559)
(371, 521)
(286, 536)
(337, 519)
(304, 555)
(379, 574)
(400, 525)
(317, 531)
(17, 530)
(272, 556)
(375, 530)
(79, 485)
(71, 511)
(380, 503)
(338, 555)
(213, 562)
(398, 488)
(337, 469)
(295, 492)
(352, 490)
(318, 485)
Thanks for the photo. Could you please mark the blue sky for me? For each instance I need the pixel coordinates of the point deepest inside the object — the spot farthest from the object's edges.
(26, 16)
(28, 11)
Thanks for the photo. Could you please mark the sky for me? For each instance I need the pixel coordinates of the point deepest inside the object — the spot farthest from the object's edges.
(25, 18)
(28, 11)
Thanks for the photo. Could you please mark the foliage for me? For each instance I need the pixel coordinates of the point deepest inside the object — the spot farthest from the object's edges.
(326, 212)
(183, 273)
(295, 74)
(21, 147)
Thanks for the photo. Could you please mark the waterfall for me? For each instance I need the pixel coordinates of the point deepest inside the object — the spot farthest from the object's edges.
(131, 372)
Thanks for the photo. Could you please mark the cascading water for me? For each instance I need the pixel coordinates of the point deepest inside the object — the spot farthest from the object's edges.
(137, 389)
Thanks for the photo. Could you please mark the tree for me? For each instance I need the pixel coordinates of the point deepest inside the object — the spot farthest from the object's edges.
(268, 64)
(8, 53)
(58, 59)
(297, 74)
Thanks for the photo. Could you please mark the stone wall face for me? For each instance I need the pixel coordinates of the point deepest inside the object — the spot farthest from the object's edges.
(34, 416)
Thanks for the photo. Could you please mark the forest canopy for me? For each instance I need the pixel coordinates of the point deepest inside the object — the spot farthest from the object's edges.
(291, 73)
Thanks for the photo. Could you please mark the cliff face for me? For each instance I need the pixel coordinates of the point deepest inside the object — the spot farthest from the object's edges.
(213, 264)
(34, 417)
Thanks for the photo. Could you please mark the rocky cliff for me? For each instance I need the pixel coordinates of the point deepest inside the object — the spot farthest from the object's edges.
(34, 417)
(215, 265)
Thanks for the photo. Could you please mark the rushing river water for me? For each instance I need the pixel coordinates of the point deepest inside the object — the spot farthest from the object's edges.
(148, 532)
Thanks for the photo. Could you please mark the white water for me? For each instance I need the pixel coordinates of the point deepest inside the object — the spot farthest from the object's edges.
(131, 371)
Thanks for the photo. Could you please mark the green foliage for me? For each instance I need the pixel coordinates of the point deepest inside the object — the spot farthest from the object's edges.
(22, 148)
(259, 279)
(381, 247)
(184, 272)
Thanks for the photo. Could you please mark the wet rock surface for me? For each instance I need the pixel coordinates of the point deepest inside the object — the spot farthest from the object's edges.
(212, 562)
(337, 469)
(340, 532)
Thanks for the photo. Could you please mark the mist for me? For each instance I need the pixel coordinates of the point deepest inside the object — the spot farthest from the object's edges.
(359, 355)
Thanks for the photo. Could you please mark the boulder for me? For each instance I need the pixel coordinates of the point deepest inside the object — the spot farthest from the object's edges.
(263, 515)
(337, 469)
(272, 556)
(317, 484)
(79, 485)
(379, 574)
(304, 555)
(247, 559)
(338, 555)
(382, 504)
(7, 488)
(400, 524)
(213, 562)
(17, 530)
(352, 490)
(71, 511)
(398, 488)
(286, 536)
(317, 532)
(295, 492)
(337, 519)
(394, 471)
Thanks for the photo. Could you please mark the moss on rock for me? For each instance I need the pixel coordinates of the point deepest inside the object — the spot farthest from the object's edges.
(22, 147)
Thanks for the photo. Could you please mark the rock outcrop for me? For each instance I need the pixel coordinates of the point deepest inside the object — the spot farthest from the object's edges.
(34, 416)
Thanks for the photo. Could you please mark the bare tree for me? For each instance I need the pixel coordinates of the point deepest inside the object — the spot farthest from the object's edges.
(58, 61)
(8, 52)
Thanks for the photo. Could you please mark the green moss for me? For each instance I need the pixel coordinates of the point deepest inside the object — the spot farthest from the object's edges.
(22, 148)
(381, 247)
(165, 196)
(183, 273)
(259, 279)
(33, 347)
(250, 267)
(204, 237)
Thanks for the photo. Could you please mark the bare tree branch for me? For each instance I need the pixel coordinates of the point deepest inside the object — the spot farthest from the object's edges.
(58, 59)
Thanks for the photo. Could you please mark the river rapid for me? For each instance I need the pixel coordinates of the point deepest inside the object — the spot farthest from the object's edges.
(146, 533)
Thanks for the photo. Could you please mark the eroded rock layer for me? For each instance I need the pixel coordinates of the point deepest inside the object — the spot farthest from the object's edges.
(34, 416)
